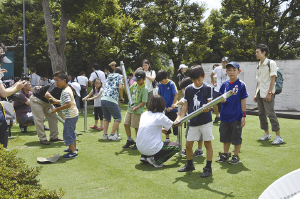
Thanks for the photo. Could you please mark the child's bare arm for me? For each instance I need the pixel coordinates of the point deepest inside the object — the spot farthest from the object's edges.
(98, 95)
(65, 106)
(138, 106)
(121, 92)
(182, 113)
(87, 95)
(243, 104)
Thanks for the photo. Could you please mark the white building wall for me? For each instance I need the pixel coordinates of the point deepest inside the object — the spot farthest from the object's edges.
(289, 99)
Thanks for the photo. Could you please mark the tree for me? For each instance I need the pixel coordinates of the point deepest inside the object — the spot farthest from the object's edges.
(273, 22)
(175, 28)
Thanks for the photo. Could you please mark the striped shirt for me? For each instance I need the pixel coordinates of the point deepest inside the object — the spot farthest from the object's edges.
(67, 96)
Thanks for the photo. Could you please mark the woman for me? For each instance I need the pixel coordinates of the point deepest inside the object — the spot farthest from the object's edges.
(181, 75)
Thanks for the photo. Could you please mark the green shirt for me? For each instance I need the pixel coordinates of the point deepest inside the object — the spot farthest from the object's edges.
(138, 94)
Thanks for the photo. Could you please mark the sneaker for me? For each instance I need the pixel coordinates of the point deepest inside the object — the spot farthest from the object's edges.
(105, 136)
(197, 153)
(70, 155)
(167, 140)
(265, 137)
(277, 140)
(46, 128)
(143, 159)
(186, 168)
(217, 119)
(206, 173)
(100, 128)
(134, 147)
(128, 143)
(93, 127)
(68, 150)
(183, 152)
(152, 161)
(114, 137)
(24, 130)
(234, 160)
(223, 157)
(45, 142)
(56, 140)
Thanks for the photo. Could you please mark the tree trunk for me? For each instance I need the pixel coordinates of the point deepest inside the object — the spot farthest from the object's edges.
(58, 61)
(176, 66)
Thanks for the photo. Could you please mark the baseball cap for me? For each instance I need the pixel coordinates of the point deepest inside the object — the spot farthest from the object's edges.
(76, 86)
(226, 59)
(140, 74)
(233, 64)
(182, 66)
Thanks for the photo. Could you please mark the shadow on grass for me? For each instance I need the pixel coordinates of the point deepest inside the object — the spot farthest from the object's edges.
(128, 151)
(195, 182)
(234, 169)
(108, 141)
(38, 144)
(269, 143)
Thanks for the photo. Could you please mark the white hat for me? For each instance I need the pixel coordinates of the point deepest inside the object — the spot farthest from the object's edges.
(182, 66)
(76, 86)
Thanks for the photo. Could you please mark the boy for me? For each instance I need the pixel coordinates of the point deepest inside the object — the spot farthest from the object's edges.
(198, 152)
(167, 89)
(139, 95)
(264, 94)
(233, 113)
(68, 107)
(112, 94)
(197, 95)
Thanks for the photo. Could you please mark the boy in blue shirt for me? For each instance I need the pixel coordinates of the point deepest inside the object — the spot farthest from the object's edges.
(167, 89)
(233, 113)
(196, 95)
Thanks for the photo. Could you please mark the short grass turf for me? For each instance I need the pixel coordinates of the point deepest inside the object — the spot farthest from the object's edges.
(105, 170)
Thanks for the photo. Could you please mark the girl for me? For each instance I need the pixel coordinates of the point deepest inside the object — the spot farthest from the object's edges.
(97, 91)
(181, 74)
(149, 135)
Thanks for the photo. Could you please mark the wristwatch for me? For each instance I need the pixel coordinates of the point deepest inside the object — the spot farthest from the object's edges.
(270, 93)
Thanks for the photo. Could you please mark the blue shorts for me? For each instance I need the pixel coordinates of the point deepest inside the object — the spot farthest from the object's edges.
(111, 109)
(69, 130)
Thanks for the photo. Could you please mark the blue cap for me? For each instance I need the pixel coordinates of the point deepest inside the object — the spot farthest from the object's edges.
(233, 64)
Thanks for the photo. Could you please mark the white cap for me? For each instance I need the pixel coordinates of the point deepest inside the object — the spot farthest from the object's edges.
(182, 66)
(76, 86)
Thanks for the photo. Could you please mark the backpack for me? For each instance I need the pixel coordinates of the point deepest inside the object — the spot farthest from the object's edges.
(154, 83)
(279, 79)
(8, 112)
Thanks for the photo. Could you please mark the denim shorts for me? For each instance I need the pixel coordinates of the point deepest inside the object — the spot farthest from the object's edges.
(111, 109)
(69, 130)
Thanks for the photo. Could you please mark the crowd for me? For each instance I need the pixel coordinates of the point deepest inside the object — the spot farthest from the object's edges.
(40, 98)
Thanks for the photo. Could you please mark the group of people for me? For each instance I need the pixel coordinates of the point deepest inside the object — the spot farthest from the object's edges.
(161, 114)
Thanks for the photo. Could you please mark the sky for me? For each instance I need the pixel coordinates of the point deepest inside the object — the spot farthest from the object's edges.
(211, 4)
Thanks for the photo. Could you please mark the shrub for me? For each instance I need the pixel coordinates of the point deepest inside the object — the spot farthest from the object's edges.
(17, 180)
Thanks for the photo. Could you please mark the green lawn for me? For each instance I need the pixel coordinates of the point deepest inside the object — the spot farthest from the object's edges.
(105, 170)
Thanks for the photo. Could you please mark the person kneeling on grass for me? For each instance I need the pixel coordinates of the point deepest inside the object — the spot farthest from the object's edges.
(149, 135)
(70, 111)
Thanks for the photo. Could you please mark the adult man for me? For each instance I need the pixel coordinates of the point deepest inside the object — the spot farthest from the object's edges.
(264, 94)
(221, 77)
(22, 108)
(40, 104)
(97, 74)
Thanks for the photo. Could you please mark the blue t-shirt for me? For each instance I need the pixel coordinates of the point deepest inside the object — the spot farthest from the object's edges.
(232, 109)
(167, 91)
(195, 98)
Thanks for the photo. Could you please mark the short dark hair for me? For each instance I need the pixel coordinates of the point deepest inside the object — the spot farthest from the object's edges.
(156, 104)
(82, 73)
(61, 75)
(95, 66)
(118, 70)
(130, 74)
(263, 48)
(196, 71)
(33, 69)
(185, 82)
(161, 75)
(215, 65)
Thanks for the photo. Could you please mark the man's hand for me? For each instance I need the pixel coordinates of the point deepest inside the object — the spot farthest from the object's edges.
(3, 70)
(20, 84)
(121, 100)
(164, 130)
(268, 97)
(254, 99)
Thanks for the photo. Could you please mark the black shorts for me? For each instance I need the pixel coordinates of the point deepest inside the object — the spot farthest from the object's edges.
(98, 113)
(231, 132)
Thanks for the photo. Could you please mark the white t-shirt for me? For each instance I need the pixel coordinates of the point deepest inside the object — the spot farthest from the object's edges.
(149, 135)
(221, 77)
(263, 76)
(97, 101)
(148, 83)
(82, 80)
(101, 76)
